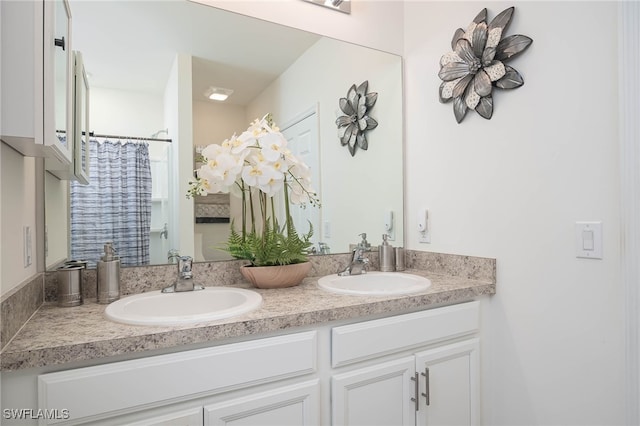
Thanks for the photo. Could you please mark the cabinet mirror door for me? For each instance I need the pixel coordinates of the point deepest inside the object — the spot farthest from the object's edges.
(58, 83)
(62, 55)
(81, 121)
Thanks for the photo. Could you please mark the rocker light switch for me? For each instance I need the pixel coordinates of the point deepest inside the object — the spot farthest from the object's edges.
(589, 240)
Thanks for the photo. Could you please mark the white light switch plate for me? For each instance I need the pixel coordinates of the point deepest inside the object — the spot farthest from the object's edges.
(327, 229)
(589, 240)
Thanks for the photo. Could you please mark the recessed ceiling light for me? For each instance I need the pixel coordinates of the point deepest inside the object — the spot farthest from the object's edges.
(218, 93)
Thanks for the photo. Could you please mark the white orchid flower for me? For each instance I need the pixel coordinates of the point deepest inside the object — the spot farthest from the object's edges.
(210, 152)
(212, 180)
(271, 182)
(257, 159)
(273, 145)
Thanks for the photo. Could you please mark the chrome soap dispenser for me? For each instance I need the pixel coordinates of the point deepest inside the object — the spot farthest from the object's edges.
(108, 275)
(386, 255)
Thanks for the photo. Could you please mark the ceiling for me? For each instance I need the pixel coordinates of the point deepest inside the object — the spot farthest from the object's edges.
(131, 45)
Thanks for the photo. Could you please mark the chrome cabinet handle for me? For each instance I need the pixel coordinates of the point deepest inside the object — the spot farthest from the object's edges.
(426, 392)
(416, 385)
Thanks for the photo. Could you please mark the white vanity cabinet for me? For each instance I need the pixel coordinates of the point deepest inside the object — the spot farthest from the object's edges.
(435, 386)
(171, 388)
(37, 72)
(416, 368)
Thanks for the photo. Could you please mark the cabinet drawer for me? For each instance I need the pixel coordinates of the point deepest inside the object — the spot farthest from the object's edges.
(370, 339)
(136, 383)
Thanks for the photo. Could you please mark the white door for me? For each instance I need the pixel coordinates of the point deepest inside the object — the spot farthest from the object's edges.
(302, 139)
(449, 384)
(379, 395)
(295, 405)
(161, 234)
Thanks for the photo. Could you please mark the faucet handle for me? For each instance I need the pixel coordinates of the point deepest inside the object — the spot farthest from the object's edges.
(185, 265)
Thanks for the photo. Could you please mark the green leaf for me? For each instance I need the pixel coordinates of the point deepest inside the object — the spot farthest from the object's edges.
(272, 246)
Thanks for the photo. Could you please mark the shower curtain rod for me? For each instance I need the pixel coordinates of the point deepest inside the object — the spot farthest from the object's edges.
(135, 138)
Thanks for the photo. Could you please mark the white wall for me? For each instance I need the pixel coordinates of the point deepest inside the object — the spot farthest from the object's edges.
(371, 23)
(512, 188)
(18, 189)
(125, 112)
(354, 186)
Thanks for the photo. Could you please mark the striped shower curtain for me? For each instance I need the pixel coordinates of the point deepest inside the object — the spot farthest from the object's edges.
(115, 205)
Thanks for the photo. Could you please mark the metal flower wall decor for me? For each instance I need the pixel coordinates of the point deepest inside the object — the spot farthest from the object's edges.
(477, 64)
(356, 121)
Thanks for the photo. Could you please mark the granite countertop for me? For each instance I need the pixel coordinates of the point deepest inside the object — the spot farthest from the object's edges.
(56, 335)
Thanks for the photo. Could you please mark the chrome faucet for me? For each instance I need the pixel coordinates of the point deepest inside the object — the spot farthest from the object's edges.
(324, 248)
(185, 277)
(358, 264)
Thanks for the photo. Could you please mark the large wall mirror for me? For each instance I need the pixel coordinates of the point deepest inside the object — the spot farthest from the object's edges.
(149, 74)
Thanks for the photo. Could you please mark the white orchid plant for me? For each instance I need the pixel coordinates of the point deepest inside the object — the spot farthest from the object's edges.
(257, 166)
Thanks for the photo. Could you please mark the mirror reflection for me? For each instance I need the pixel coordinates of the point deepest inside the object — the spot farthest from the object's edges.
(150, 79)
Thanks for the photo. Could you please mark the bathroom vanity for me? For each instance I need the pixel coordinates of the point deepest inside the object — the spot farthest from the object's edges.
(419, 367)
(306, 356)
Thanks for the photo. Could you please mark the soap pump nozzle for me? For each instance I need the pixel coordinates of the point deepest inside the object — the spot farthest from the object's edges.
(109, 252)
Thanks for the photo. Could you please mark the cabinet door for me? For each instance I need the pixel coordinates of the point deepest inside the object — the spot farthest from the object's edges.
(296, 405)
(188, 417)
(376, 395)
(57, 80)
(449, 384)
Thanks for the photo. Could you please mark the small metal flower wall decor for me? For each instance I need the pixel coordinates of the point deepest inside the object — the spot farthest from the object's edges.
(477, 64)
(356, 121)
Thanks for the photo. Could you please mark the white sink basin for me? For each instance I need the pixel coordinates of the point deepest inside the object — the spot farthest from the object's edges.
(156, 308)
(375, 283)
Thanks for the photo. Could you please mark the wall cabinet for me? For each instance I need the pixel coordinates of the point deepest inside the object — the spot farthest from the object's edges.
(37, 69)
(45, 100)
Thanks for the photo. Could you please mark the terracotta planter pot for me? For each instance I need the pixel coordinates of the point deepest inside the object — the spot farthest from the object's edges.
(279, 276)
